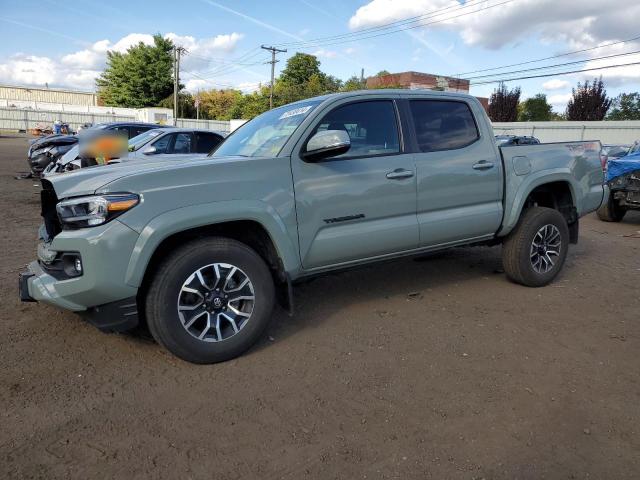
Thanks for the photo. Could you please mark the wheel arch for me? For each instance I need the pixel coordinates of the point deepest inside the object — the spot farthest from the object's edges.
(553, 191)
(256, 226)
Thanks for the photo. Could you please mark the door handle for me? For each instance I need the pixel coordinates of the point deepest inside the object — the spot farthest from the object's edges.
(399, 174)
(483, 165)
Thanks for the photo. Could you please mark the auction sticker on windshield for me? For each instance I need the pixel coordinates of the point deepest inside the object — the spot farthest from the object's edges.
(294, 112)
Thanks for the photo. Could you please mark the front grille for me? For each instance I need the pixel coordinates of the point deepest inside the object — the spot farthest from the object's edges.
(49, 200)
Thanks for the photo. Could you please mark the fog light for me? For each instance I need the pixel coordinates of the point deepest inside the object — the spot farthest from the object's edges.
(72, 264)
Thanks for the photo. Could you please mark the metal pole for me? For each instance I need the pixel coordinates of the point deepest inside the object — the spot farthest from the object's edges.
(175, 86)
(273, 61)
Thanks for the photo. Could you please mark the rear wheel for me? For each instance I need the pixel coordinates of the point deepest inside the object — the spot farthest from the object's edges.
(210, 300)
(535, 251)
(611, 211)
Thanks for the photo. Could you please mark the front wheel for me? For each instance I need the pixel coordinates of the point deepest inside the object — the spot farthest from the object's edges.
(610, 210)
(210, 300)
(535, 251)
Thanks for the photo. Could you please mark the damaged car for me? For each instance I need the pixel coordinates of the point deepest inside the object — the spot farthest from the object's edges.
(43, 151)
(623, 180)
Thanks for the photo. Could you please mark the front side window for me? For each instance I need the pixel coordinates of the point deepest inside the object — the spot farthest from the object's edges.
(443, 125)
(162, 144)
(372, 127)
(135, 143)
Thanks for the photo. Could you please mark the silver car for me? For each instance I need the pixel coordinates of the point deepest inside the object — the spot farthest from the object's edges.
(159, 143)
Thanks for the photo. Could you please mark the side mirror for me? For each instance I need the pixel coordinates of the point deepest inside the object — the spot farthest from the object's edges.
(326, 144)
(150, 150)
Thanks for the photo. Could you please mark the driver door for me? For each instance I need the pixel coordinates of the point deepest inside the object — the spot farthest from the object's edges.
(361, 204)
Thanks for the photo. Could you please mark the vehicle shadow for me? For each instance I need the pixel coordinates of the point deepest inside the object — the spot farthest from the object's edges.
(632, 217)
(321, 297)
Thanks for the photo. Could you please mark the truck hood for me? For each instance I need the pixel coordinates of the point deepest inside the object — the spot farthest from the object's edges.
(87, 181)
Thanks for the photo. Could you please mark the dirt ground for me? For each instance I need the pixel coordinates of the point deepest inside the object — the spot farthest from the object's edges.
(431, 368)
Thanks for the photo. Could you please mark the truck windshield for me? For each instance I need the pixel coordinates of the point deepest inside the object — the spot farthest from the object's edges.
(266, 134)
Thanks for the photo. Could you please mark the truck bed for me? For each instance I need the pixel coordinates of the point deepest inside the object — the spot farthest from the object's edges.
(527, 166)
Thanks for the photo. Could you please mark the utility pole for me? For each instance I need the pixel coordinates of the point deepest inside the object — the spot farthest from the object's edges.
(198, 105)
(362, 78)
(176, 80)
(273, 62)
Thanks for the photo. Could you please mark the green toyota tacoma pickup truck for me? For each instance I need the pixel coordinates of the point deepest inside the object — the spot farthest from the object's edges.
(201, 248)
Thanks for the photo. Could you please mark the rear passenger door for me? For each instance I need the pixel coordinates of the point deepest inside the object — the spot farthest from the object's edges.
(459, 177)
(360, 204)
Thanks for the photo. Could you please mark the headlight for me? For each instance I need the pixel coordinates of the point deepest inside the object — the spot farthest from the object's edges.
(94, 210)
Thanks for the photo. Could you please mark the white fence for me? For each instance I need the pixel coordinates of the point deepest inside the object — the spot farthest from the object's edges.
(15, 119)
(626, 131)
(219, 125)
(27, 119)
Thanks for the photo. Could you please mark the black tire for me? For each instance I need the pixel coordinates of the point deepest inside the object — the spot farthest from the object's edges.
(161, 302)
(517, 257)
(611, 211)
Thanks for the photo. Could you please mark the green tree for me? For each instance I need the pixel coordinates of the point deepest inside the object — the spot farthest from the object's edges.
(589, 102)
(352, 83)
(186, 105)
(535, 109)
(382, 73)
(220, 104)
(300, 68)
(503, 104)
(141, 77)
(625, 106)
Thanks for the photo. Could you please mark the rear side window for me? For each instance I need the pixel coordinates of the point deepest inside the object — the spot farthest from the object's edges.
(443, 125)
(372, 127)
(182, 143)
(205, 142)
(138, 129)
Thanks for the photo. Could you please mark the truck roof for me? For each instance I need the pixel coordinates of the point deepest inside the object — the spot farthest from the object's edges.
(387, 91)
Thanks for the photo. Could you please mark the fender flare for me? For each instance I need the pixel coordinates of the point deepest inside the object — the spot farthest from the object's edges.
(182, 219)
(521, 192)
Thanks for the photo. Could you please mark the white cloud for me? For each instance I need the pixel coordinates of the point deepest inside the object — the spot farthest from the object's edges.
(130, 40)
(559, 101)
(555, 84)
(582, 23)
(578, 25)
(349, 50)
(29, 69)
(322, 53)
(80, 69)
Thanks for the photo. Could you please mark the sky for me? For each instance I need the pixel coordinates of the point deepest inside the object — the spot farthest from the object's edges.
(64, 43)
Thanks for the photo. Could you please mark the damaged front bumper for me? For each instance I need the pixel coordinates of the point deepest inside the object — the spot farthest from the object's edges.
(100, 292)
(626, 189)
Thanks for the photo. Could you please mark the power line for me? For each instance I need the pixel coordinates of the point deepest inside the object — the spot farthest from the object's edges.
(384, 26)
(556, 73)
(546, 58)
(312, 43)
(558, 65)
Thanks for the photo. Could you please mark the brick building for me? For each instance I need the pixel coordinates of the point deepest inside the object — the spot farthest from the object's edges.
(417, 80)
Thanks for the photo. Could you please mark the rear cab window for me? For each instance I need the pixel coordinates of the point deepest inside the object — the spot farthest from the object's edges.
(443, 124)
